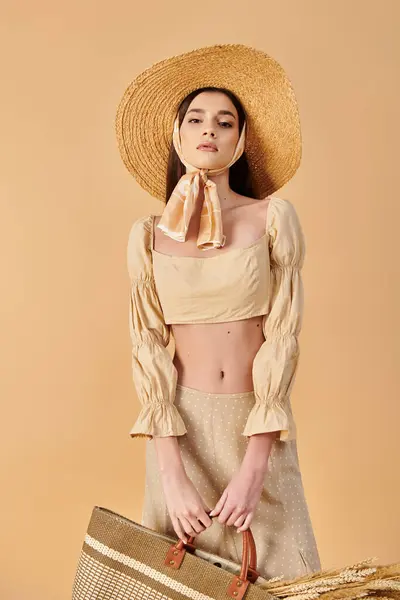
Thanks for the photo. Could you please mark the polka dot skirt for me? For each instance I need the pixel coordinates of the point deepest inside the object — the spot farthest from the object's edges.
(212, 451)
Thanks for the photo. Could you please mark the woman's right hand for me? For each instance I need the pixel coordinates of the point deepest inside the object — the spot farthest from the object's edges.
(186, 507)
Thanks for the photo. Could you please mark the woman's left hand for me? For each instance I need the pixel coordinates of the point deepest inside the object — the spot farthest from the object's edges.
(240, 498)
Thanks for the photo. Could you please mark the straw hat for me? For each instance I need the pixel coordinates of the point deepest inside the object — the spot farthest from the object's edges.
(147, 110)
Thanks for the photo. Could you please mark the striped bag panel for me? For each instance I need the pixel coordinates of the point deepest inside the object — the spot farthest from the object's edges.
(124, 560)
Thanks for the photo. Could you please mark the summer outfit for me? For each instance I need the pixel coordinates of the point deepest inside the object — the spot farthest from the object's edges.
(212, 430)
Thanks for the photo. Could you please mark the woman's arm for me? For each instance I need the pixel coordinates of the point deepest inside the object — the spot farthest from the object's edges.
(155, 378)
(274, 367)
(154, 374)
(275, 364)
(258, 451)
(169, 457)
(186, 507)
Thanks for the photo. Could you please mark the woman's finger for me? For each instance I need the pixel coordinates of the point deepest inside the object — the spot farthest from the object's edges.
(196, 524)
(240, 520)
(220, 504)
(235, 514)
(225, 513)
(187, 526)
(178, 529)
(247, 522)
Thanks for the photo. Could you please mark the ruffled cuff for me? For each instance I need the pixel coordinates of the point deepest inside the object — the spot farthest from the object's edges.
(264, 418)
(158, 420)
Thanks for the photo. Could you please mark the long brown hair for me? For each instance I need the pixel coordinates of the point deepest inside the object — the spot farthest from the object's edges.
(240, 179)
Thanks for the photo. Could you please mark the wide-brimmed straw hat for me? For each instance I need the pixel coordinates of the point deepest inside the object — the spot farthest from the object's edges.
(146, 113)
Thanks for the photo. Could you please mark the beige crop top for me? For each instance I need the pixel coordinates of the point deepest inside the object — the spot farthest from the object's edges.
(226, 287)
(261, 279)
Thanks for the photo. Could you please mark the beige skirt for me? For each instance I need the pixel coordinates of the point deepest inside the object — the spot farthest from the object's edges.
(212, 451)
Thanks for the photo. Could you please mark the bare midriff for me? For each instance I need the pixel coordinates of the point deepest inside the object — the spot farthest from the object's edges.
(217, 357)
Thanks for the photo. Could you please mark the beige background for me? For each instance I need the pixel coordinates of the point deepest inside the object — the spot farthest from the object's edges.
(67, 203)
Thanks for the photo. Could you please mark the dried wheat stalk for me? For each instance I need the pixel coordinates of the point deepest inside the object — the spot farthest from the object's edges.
(347, 583)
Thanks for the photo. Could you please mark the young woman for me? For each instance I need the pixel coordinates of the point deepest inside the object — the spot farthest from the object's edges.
(219, 273)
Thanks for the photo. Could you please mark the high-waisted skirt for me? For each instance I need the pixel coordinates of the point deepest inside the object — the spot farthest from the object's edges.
(212, 451)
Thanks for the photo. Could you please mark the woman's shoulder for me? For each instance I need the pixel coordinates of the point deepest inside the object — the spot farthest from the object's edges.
(276, 212)
(273, 203)
(287, 239)
(282, 211)
(282, 205)
(139, 245)
(141, 225)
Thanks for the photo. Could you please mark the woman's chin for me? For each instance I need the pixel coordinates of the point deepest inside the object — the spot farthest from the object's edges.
(207, 162)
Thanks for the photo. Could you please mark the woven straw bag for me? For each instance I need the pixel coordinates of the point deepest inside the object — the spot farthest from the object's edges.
(124, 560)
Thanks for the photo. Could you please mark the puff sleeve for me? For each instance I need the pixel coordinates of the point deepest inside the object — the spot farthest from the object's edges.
(154, 374)
(275, 364)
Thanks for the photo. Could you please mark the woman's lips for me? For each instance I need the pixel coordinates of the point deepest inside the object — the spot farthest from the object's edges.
(207, 149)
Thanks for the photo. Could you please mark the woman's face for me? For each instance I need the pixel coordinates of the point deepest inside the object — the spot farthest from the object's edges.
(210, 117)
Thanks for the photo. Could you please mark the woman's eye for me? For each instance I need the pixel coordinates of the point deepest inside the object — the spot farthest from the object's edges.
(221, 123)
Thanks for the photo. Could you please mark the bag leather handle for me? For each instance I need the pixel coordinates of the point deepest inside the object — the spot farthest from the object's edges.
(250, 543)
(248, 572)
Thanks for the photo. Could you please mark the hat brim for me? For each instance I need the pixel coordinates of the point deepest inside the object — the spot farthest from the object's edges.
(146, 113)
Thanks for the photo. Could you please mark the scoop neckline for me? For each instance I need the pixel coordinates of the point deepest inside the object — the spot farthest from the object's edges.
(242, 249)
(257, 242)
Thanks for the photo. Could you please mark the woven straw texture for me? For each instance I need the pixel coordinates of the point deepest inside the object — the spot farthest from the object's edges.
(121, 559)
(146, 113)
